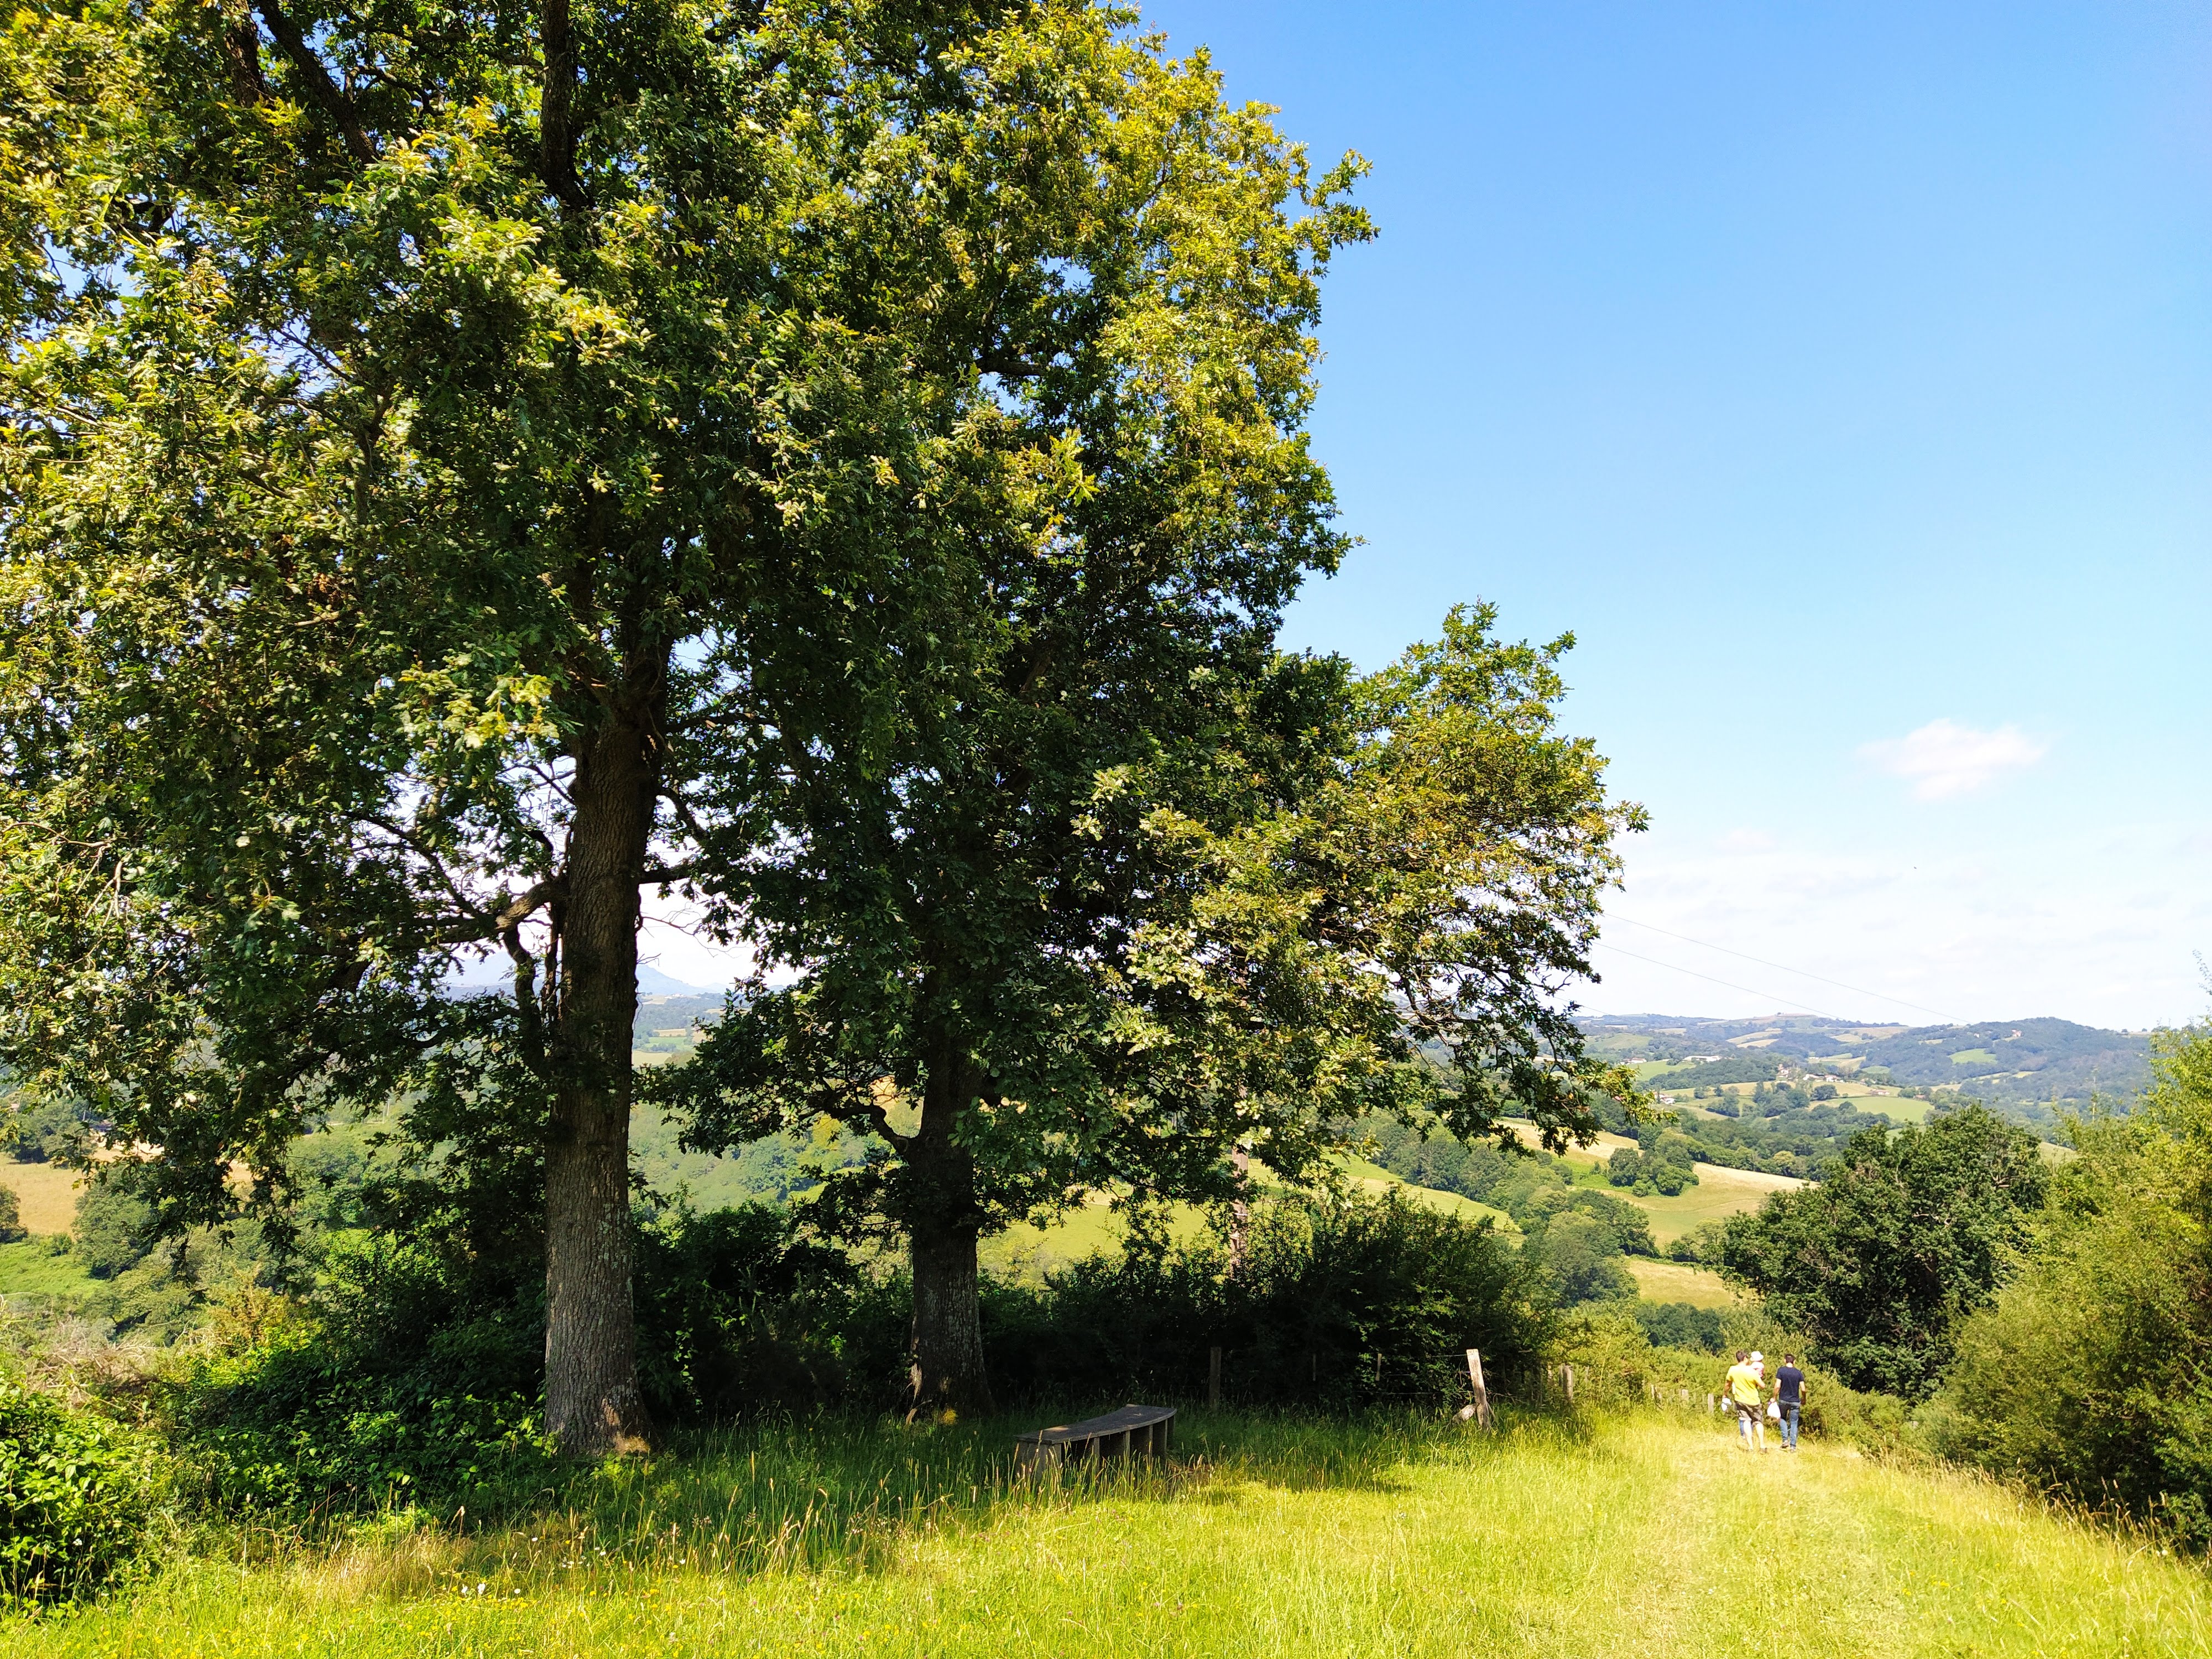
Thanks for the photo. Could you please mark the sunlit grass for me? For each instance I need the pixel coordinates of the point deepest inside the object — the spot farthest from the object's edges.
(1639, 1535)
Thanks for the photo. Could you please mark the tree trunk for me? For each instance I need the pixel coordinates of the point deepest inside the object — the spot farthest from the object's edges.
(593, 1405)
(943, 1223)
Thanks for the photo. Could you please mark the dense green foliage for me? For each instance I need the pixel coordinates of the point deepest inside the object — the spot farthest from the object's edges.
(1679, 1325)
(2092, 1372)
(409, 1373)
(1780, 1129)
(1335, 1305)
(76, 1494)
(1906, 1234)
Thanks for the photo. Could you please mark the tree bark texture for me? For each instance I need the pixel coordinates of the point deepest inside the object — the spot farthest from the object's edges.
(943, 1223)
(593, 1405)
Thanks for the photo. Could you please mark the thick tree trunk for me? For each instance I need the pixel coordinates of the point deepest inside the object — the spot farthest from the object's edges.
(593, 1405)
(944, 1222)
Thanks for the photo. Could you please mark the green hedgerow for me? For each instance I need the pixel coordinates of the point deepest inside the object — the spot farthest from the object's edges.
(76, 1495)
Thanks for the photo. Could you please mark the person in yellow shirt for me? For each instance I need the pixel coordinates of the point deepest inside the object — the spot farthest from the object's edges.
(1745, 1386)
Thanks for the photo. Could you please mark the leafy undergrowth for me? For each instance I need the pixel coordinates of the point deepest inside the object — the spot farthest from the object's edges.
(1636, 1535)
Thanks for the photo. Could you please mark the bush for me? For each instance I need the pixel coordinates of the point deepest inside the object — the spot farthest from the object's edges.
(2091, 1375)
(1909, 1231)
(414, 1371)
(395, 1386)
(1679, 1325)
(76, 1494)
(1337, 1304)
(11, 1216)
(741, 1312)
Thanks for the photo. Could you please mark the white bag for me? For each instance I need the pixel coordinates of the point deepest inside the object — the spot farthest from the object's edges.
(1774, 1411)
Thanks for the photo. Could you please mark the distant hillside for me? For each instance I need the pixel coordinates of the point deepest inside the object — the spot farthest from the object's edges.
(2032, 1069)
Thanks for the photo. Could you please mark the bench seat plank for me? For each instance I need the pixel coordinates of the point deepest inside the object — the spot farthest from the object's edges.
(1118, 1433)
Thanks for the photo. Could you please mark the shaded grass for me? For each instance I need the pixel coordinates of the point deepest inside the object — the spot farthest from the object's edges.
(1639, 1534)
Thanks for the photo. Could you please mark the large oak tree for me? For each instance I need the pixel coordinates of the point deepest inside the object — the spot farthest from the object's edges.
(1141, 899)
(453, 455)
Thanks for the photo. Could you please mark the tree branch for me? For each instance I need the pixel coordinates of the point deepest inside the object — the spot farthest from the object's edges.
(496, 924)
(316, 80)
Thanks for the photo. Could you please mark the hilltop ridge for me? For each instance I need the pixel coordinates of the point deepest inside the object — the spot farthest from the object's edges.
(2033, 1069)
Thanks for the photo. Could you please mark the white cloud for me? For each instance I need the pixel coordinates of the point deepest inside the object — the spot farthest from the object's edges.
(1945, 758)
(2098, 926)
(1746, 840)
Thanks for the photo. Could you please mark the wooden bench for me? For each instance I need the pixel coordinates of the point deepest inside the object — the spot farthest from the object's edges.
(1133, 1430)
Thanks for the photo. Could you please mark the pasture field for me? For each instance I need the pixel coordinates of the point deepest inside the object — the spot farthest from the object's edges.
(1677, 1281)
(45, 1194)
(1720, 1192)
(1895, 1107)
(1404, 1537)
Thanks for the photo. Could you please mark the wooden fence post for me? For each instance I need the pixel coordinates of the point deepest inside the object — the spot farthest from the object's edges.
(1214, 1379)
(1480, 1410)
(1568, 1371)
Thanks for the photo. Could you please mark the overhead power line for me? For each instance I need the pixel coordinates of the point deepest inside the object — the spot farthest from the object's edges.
(1607, 945)
(1857, 990)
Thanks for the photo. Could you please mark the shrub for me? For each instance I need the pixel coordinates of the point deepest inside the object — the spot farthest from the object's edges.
(391, 1389)
(414, 1371)
(2091, 1375)
(75, 1495)
(11, 1216)
(1336, 1304)
(741, 1312)
(1679, 1325)
(1909, 1232)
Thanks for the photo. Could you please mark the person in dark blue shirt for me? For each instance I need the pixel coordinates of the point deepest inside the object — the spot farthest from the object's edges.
(1790, 1394)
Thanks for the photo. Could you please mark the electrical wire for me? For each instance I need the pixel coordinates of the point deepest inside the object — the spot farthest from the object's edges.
(1606, 945)
(1857, 990)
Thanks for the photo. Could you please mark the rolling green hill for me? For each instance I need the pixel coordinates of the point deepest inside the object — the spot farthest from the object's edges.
(2031, 1069)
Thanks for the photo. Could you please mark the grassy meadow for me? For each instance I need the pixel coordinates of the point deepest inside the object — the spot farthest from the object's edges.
(1720, 1192)
(46, 1195)
(1677, 1281)
(1638, 1534)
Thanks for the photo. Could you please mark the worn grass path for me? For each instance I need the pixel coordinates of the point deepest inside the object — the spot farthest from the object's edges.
(1641, 1536)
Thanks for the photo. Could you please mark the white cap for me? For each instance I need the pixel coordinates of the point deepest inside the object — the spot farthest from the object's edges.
(1756, 1357)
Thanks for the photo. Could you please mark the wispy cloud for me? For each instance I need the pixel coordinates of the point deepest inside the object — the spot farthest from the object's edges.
(1944, 759)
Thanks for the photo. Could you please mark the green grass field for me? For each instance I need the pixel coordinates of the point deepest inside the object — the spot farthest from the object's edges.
(46, 1195)
(28, 1268)
(1719, 1193)
(1677, 1281)
(1638, 1537)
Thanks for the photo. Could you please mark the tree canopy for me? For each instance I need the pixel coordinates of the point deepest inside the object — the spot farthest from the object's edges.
(843, 460)
(453, 456)
(1147, 898)
(1906, 1234)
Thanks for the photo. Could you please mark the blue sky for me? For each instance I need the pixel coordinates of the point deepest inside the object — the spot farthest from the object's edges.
(1836, 374)
(1842, 377)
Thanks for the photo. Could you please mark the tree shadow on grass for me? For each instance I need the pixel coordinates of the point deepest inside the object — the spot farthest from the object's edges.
(837, 1493)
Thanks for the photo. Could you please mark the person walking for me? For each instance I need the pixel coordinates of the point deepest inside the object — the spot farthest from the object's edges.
(1789, 1395)
(1743, 1393)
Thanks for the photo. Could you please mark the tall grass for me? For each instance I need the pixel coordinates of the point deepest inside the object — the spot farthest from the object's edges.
(1609, 1532)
